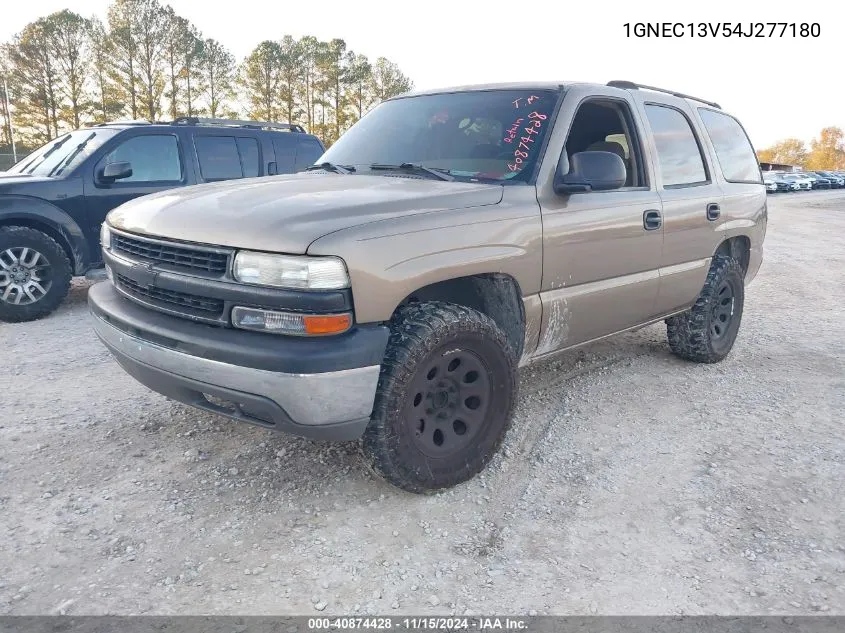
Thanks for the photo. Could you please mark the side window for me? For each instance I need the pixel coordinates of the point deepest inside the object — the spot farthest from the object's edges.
(248, 149)
(154, 158)
(307, 153)
(607, 126)
(218, 157)
(733, 149)
(678, 152)
(285, 146)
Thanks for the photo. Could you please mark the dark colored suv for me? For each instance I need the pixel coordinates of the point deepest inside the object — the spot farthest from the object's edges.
(53, 202)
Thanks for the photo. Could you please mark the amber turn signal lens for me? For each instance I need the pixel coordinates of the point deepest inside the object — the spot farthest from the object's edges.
(333, 324)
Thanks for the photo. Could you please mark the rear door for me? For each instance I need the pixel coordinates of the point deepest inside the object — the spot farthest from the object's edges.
(738, 173)
(693, 224)
(224, 155)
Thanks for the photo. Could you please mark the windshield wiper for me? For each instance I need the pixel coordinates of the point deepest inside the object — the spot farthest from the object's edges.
(60, 167)
(442, 174)
(30, 167)
(338, 169)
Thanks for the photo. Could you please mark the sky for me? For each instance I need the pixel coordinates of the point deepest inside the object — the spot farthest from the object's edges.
(778, 87)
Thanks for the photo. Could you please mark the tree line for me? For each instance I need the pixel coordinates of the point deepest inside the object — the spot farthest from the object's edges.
(146, 62)
(825, 152)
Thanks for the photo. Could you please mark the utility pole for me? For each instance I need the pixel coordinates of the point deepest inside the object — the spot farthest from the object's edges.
(11, 126)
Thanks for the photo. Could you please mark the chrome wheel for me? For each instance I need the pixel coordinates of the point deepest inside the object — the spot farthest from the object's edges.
(24, 276)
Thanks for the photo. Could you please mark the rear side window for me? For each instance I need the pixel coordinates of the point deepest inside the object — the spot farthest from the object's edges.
(733, 149)
(308, 152)
(218, 157)
(248, 149)
(678, 152)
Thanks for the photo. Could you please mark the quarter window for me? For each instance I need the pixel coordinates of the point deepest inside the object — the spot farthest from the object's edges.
(678, 152)
(308, 153)
(736, 157)
(153, 157)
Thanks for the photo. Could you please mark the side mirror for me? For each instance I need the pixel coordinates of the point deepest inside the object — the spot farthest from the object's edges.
(590, 171)
(272, 169)
(116, 171)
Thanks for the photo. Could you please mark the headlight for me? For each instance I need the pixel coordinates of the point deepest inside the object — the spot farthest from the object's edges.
(290, 271)
(105, 236)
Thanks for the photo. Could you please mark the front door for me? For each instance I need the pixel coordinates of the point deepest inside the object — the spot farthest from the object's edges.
(157, 164)
(601, 250)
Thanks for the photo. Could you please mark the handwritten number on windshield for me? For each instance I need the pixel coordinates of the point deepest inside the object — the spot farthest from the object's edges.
(521, 152)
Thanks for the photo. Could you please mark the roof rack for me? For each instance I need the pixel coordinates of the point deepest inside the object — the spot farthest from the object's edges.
(120, 122)
(630, 85)
(256, 125)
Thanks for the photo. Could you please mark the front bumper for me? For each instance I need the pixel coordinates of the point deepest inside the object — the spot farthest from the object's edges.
(321, 388)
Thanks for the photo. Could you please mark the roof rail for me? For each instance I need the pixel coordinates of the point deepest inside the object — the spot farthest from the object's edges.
(630, 85)
(257, 125)
(120, 122)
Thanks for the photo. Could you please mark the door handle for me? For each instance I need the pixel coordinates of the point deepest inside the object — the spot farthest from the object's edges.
(713, 211)
(652, 220)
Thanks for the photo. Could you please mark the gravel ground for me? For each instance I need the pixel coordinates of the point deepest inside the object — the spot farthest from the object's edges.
(631, 482)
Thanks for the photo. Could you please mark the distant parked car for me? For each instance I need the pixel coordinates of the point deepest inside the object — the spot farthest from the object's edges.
(775, 183)
(819, 182)
(795, 184)
(53, 202)
(836, 181)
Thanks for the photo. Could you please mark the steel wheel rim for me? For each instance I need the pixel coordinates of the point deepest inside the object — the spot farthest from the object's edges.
(722, 314)
(24, 276)
(447, 403)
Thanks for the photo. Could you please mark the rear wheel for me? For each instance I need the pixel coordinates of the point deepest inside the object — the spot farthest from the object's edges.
(706, 333)
(34, 274)
(445, 398)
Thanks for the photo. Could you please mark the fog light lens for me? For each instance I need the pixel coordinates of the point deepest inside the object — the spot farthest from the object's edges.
(290, 322)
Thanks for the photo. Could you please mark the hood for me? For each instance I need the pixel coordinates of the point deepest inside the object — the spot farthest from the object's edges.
(286, 213)
(18, 183)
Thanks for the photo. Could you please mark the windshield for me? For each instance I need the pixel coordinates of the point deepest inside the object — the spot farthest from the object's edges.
(61, 155)
(494, 134)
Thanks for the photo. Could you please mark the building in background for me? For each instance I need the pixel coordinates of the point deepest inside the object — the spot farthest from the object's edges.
(778, 167)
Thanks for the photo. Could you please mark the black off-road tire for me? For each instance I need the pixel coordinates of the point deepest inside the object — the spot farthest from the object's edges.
(706, 332)
(58, 272)
(441, 360)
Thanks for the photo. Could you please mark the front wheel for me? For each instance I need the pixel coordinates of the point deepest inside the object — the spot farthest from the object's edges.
(34, 274)
(445, 398)
(707, 331)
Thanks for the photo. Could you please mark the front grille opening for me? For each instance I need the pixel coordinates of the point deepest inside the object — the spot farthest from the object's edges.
(178, 256)
(172, 300)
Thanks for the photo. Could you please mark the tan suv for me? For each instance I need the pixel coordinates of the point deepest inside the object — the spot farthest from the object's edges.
(392, 290)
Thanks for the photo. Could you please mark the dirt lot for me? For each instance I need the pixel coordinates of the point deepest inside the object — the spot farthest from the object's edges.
(632, 482)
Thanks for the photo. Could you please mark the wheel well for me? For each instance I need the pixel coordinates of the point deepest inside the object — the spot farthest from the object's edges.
(739, 248)
(57, 235)
(496, 295)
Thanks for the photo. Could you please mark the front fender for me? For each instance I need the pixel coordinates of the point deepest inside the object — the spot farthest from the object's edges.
(389, 260)
(40, 214)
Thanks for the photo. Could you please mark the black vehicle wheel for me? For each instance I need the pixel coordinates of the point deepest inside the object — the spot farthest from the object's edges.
(445, 398)
(34, 274)
(706, 333)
